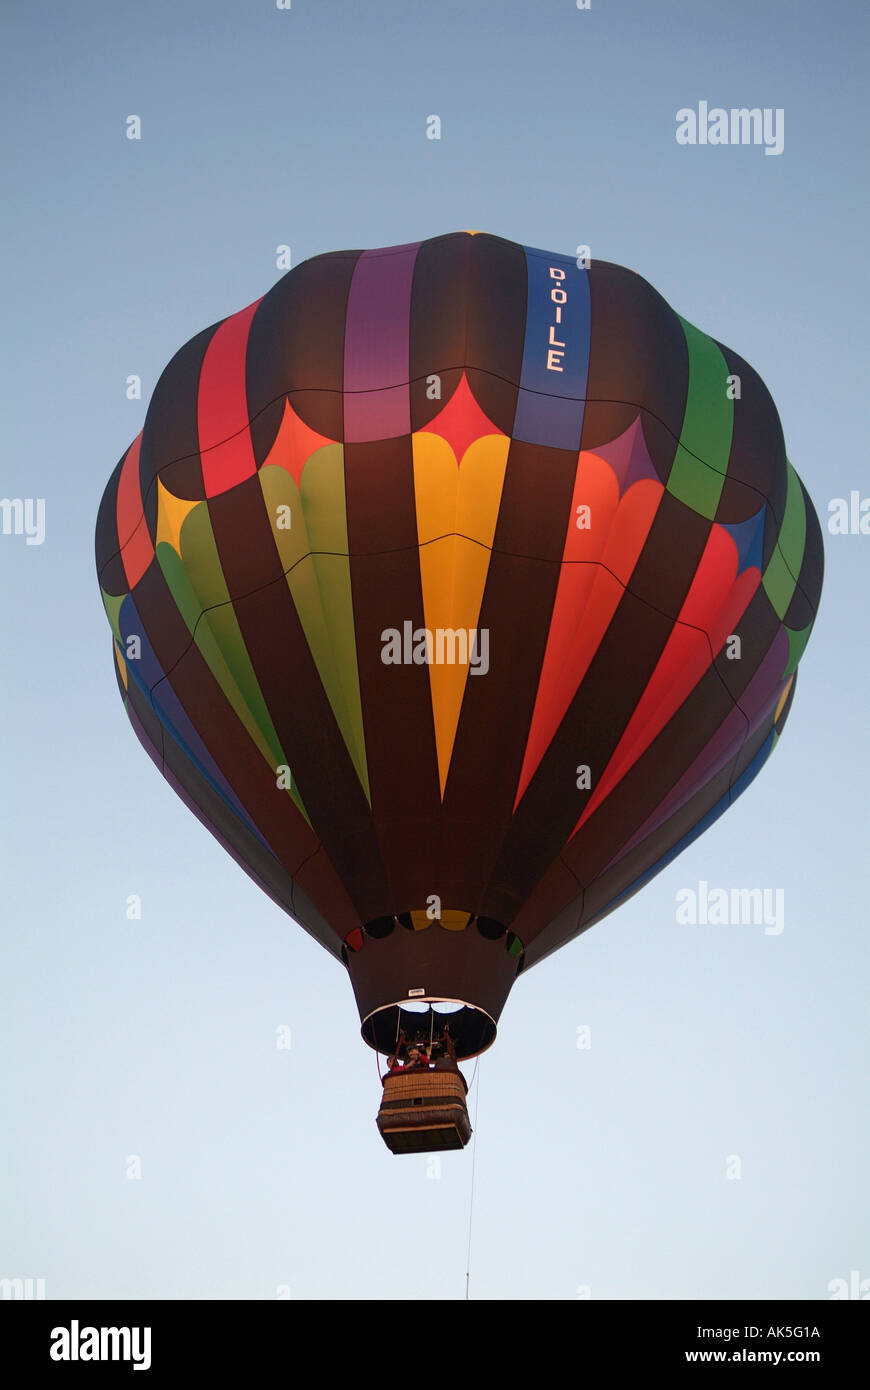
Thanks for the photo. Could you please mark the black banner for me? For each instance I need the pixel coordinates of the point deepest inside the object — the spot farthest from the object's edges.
(215, 1339)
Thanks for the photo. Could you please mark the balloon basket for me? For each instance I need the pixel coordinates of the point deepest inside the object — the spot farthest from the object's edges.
(424, 1111)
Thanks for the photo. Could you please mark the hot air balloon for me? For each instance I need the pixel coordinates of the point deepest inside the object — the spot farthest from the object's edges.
(456, 588)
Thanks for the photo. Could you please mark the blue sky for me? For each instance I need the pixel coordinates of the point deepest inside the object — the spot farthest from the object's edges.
(600, 1169)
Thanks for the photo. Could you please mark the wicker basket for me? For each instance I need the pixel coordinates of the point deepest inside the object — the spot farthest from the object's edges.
(424, 1111)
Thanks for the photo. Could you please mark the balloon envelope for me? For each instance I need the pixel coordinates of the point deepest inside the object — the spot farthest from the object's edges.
(456, 588)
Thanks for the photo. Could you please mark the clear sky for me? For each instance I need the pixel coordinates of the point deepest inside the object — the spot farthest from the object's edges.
(603, 1168)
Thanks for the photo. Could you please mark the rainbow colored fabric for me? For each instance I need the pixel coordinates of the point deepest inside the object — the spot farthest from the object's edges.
(428, 435)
